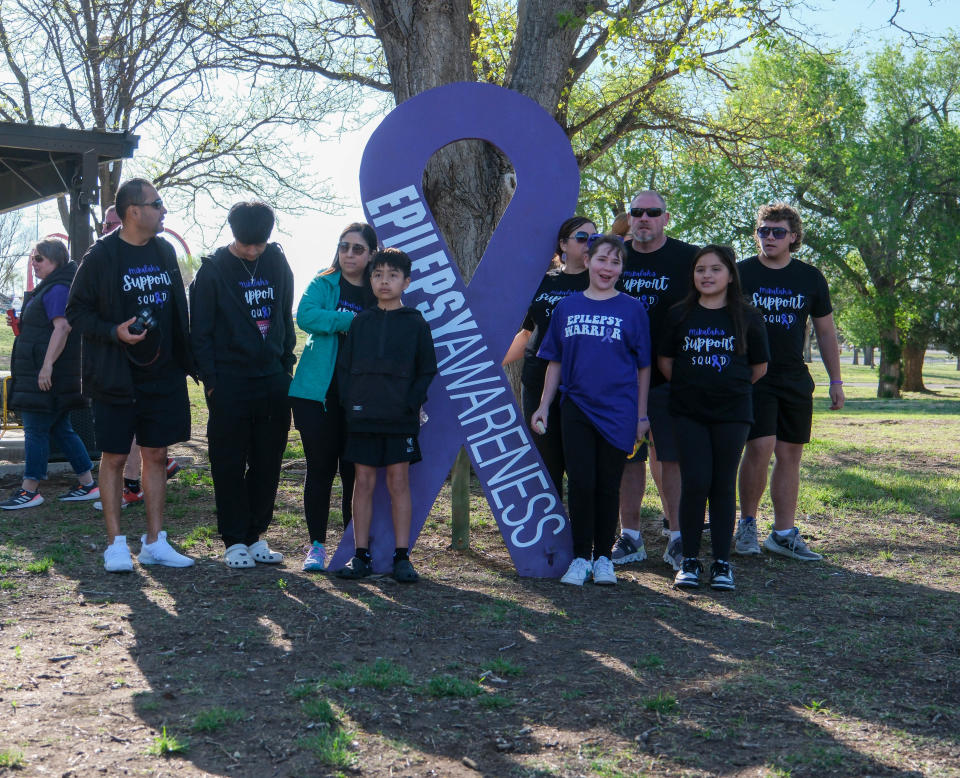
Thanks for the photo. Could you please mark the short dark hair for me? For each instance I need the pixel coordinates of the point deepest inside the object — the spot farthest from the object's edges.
(782, 212)
(251, 222)
(52, 249)
(391, 257)
(129, 193)
(609, 240)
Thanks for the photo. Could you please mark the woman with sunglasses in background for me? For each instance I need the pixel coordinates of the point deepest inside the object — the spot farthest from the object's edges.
(566, 276)
(45, 365)
(326, 310)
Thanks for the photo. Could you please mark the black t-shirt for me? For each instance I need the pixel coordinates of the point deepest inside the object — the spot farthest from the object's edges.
(659, 280)
(256, 284)
(554, 287)
(710, 381)
(145, 284)
(787, 298)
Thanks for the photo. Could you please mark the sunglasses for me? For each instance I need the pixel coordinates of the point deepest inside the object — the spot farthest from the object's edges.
(158, 204)
(653, 213)
(597, 235)
(38, 259)
(777, 232)
(356, 249)
(585, 237)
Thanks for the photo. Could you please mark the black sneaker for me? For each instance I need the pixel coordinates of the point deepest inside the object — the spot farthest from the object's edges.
(80, 492)
(403, 572)
(21, 498)
(721, 577)
(688, 576)
(355, 568)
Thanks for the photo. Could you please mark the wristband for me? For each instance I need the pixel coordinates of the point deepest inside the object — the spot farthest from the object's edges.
(643, 418)
(836, 383)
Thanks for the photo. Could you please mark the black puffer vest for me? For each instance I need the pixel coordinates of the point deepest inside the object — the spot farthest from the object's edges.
(30, 348)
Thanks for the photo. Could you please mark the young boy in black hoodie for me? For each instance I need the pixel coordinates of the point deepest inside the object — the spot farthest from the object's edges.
(241, 329)
(384, 368)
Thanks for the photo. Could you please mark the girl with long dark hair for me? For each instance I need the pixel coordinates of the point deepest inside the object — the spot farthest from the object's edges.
(714, 348)
(326, 310)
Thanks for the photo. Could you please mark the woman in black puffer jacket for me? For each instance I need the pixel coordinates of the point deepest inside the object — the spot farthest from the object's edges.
(46, 379)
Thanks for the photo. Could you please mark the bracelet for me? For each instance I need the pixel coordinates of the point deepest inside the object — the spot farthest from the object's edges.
(836, 383)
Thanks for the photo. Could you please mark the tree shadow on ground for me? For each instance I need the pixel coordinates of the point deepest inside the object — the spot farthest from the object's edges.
(813, 670)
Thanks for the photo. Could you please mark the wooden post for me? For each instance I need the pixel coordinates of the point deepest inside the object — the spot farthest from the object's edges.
(460, 501)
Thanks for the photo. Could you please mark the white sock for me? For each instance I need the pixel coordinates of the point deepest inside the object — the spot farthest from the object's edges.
(782, 533)
(633, 534)
(121, 539)
(674, 535)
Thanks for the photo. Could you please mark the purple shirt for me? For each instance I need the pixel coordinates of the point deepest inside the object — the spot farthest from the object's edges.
(600, 345)
(55, 301)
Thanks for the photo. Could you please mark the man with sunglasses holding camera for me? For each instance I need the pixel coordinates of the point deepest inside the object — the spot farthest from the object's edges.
(657, 272)
(129, 303)
(787, 292)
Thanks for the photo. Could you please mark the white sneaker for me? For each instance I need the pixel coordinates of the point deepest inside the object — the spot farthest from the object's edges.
(603, 572)
(161, 553)
(116, 557)
(578, 573)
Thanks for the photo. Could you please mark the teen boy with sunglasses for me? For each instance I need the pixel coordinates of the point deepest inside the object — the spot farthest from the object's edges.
(657, 272)
(787, 292)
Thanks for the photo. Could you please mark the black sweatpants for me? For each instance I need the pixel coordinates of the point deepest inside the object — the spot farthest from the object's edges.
(323, 432)
(593, 483)
(550, 445)
(247, 435)
(709, 460)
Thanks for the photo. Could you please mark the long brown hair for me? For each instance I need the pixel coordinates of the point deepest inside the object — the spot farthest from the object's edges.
(737, 305)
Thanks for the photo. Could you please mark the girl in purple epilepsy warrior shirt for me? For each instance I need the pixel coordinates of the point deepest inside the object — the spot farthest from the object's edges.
(714, 348)
(598, 348)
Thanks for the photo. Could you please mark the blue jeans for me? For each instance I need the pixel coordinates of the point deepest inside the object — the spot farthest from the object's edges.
(37, 429)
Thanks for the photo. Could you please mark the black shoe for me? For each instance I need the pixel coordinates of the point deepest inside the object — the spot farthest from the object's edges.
(721, 577)
(403, 572)
(355, 568)
(688, 576)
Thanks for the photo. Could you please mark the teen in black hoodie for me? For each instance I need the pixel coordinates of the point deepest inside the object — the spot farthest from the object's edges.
(241, 309)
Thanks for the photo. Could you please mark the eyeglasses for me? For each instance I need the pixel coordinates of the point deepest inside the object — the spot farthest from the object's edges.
(584, 237)
(597, 235)
(777, 232)
(653, 213)
(352, 248)
(158, 204)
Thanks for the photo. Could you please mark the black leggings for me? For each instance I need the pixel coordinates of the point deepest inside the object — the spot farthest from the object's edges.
(709, 459)
(593, 483)
(549, 445)
(323, 433)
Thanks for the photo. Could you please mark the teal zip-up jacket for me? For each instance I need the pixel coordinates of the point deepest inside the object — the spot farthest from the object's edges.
(317, 315)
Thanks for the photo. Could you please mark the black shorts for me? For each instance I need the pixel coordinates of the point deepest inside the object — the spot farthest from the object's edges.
(376, 450)
(156, 419)
(783, 408)
(661, 424)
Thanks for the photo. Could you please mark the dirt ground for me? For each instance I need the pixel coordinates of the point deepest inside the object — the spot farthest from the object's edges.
(845, 667)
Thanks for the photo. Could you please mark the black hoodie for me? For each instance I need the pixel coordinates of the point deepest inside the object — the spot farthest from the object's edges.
(385, 366)
(241, 325)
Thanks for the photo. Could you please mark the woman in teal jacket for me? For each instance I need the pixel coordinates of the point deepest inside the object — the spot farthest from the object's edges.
(333, 298)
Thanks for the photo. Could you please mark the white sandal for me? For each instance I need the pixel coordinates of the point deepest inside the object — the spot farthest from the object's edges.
(261, 552)
(237, 556)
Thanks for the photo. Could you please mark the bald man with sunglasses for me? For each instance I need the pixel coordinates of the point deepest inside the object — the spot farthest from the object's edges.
(787, 292)
(657, 272)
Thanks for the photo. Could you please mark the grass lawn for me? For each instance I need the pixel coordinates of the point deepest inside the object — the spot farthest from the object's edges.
(847, 667)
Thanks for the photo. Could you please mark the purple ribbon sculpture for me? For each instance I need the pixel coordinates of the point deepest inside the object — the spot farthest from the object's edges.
(470, 401)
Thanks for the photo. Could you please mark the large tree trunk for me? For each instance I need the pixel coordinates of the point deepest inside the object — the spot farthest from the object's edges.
(913, 354)
(891, 371)
(868, 360)
(856, 354)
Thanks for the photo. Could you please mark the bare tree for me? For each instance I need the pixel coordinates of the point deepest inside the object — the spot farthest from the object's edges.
(14, 243)
(147, 67)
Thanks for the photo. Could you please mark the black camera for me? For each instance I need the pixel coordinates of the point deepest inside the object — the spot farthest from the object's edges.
(146, 320)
